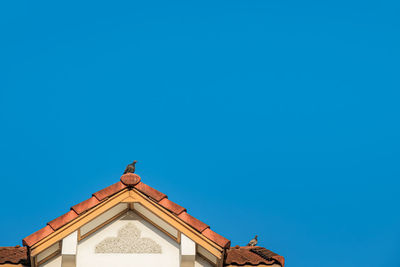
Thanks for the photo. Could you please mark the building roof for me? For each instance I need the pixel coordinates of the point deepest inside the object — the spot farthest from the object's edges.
(236, 256)
(129, 180)
(14, 255)
(247, 255)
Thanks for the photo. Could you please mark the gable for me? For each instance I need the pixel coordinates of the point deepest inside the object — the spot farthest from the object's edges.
(154, 215)
(128, 239)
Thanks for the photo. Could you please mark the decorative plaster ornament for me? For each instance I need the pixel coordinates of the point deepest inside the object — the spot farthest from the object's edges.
(128, 241)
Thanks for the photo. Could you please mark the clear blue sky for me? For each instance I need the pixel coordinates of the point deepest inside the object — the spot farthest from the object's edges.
(276, 118)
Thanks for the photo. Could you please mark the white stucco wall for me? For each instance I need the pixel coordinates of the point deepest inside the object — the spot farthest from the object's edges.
(169, 256)
(200, 262)
(139, 243)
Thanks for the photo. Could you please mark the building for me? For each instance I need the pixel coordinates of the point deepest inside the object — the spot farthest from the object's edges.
(131, 224)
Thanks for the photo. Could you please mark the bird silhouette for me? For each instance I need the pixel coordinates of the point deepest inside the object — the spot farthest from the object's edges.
(130, 168)
(253, 242)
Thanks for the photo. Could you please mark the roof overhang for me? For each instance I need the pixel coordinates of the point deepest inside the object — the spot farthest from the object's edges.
(127, 195)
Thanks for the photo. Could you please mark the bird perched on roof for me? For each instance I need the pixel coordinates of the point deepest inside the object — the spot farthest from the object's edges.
(130, 168)
(253, 242)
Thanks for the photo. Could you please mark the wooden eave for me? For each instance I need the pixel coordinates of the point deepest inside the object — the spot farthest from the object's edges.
(127, 195)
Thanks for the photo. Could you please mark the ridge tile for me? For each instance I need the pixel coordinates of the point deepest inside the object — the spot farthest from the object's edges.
(37, 236)
(63, 220)
(109, 191)
(172, 206)
(85, 205)
(216, 238)
(150, 192)
(192, 221)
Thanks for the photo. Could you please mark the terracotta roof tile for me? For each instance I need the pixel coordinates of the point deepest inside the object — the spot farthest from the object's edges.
(280, 259)
(172, 206)
(192, 221)
(130, 179)
(109, 191)
(63, 219)
(150, 191)
(252, 256)
(216, 238)
(14, 255)
(37, 236)
(85, 205)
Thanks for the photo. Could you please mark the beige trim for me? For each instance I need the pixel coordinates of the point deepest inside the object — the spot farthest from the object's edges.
(58, 252)
(51, 256)
(180, 225)
(131, 198)
(176, 239)
(78, 222)
(80, 237)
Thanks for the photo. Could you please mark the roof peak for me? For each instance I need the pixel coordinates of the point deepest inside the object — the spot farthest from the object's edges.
(130, 179)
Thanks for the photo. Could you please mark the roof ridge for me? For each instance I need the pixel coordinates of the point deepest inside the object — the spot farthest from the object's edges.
(127, 181)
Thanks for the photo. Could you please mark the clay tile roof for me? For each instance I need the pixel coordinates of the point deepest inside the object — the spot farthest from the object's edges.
(171, 206)
(73, 213)
(150, 192)
(14, 255)
(252, 256)
(216, 238)
(37, 236)
(127, 181)
(109, 191)
(237, 256)
(192, 221)
(63, 219)
(130, 179)
(85, 205)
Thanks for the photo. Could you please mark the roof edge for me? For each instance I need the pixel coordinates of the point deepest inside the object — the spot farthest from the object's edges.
(134, 183)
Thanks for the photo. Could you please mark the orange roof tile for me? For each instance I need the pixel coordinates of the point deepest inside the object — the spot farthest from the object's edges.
(85, 205)
(150, 192)
(37, 236)
(216, 238)
(171, 206)
(63, 219)
(109, 191)
(130, 179)
(127, 181)
(14, 255)
(252, 256)
(234, 256)
(192, 221)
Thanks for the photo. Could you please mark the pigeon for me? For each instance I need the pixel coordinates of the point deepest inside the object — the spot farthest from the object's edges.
(130, 168)
(253, 242)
